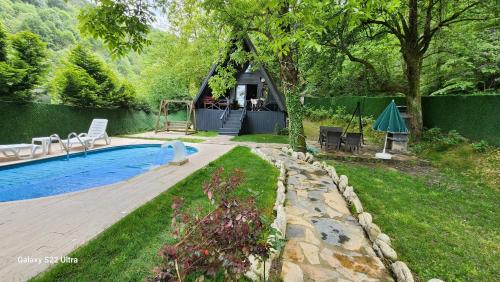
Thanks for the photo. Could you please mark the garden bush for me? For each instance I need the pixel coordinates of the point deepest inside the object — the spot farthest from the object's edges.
(219, 241)
(436, 139)
(481, 146)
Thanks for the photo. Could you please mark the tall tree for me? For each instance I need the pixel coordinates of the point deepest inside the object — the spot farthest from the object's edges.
(85, 80)
(415, 23)
(23, 67)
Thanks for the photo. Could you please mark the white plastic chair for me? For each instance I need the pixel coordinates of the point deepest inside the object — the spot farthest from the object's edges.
(255, 103)
(14, 150)
(97, 131)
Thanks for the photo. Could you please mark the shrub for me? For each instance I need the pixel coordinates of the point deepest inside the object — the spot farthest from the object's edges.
(435, 139)
(221, 240)
(317, 114)
(432, 135)
(453, 138)
(481, 146)
(278, 130)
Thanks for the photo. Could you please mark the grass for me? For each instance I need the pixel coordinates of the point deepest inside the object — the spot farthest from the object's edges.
(446, 228)
(127, 251)
(206, 133)
(261, 138)
(183, 139)
(461, 159)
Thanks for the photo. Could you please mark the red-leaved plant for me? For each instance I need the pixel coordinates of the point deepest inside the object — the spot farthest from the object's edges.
(221, 240)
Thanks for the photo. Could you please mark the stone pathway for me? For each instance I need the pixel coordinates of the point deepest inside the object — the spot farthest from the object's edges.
(324, 241)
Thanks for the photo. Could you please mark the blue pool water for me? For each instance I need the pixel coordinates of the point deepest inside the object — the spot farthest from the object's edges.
(55, 176)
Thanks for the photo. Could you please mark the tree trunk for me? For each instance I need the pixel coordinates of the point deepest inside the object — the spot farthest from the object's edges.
(413, 95)
(290, 79)
(413, 58)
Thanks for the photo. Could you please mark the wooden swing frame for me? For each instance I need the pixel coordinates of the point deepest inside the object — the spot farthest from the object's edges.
(175, 125)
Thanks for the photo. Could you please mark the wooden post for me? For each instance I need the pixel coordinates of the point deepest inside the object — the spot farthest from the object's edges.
(158, 117)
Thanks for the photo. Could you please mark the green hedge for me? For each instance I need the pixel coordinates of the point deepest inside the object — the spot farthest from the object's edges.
(371, 106)
(476, 117)
(20, 122)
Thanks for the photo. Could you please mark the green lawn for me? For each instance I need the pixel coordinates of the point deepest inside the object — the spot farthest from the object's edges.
(127, 251)
(261, 138)
(445, 228)
(206, 133)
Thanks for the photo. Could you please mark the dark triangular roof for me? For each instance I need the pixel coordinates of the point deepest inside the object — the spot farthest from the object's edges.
(280, 99)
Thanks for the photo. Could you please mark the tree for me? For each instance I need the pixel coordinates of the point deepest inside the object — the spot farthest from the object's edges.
(415, 24)
(174, 66)
(76, 87)
(85, 80)
(22, 68)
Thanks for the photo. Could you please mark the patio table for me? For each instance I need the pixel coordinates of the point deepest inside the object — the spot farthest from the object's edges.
(45, 142)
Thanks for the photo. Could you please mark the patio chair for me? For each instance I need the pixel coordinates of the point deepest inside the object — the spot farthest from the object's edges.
(97, 131)
(223, 102)
(255, 104)
(353, 141)
(14, 150)
(324, 129)
(333, 139)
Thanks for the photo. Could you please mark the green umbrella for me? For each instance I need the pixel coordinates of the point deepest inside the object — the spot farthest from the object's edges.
(389, 121)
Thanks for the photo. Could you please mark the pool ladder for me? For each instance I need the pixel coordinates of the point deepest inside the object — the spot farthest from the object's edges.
(66, 147)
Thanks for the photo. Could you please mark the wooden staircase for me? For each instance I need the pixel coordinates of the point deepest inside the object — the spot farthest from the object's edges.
(233, 122)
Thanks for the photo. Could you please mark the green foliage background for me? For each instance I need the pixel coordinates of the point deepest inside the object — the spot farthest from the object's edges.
(24, 121)
(55, 21)
(474, 116)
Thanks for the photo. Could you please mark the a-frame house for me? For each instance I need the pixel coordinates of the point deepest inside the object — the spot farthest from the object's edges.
(254, 105)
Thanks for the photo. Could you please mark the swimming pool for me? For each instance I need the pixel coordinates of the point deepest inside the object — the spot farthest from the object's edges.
(41, 178)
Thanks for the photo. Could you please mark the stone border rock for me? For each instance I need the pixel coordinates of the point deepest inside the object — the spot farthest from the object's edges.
(259, 269)
(381, 242)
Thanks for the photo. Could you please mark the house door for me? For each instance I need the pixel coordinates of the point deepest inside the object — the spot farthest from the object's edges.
(241, 94)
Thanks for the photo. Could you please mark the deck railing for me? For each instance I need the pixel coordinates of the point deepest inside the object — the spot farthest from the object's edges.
(244, 112)
(224, 115)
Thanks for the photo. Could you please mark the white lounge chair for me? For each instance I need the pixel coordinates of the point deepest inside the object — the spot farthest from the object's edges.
(97, 131)
(14, 150)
